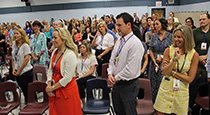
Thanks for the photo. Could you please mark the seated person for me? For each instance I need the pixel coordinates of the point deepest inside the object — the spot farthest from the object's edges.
(86, 64)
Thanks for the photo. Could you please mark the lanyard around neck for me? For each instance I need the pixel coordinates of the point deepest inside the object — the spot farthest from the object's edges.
(83, 63)
(55, 63)
(16, 52)
(121, 46)
(102, 39)
(182, 64)
(204, 36)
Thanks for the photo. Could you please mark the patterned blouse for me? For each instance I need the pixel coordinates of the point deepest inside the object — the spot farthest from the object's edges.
(37, 45)
(158, 46)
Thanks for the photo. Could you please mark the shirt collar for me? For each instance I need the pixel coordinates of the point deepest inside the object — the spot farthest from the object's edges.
(127, 36)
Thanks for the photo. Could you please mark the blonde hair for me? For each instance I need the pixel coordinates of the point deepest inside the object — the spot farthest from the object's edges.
(187, 34)
(13, 23)
(85, 41)
(68, 41)
(102, 23)
(89, 50)
(24, 36)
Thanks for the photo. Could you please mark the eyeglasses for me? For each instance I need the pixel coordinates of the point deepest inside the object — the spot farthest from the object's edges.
(202, 19)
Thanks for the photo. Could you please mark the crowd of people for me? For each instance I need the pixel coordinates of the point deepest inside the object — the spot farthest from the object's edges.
(173, 56)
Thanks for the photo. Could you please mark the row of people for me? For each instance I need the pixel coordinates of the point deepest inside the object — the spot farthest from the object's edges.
(161, 37)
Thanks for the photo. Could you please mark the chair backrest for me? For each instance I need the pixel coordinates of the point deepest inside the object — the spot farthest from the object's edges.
(39, 69)
(97, 84)
(104, 70)
(145, 84)
(8, 86)
(34, 87)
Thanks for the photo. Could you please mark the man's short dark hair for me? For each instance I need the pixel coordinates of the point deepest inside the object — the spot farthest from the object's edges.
(126, 18)
(37, 23)
(108, 16)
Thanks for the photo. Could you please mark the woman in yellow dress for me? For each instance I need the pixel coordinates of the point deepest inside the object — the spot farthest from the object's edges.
(179, 68)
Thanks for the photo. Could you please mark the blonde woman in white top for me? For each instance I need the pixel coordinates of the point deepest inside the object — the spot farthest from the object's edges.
(21, 66)
(85, 69)
(104, 43)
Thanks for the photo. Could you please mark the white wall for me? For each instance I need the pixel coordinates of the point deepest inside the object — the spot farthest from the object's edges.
(204, 6)
(68, 14)
(78, 13)
(18, 3)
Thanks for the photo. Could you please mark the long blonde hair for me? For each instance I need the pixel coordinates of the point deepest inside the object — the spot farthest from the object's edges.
(187, 34)
(68, 41)
(25, 38)
(88, 51)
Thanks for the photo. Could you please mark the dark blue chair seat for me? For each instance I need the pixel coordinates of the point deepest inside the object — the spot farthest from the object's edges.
(99, 105)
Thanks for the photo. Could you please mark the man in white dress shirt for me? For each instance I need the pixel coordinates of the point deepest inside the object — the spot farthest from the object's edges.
(125, 66)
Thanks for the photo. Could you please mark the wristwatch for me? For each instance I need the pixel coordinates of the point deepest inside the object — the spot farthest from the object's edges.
(174, 59)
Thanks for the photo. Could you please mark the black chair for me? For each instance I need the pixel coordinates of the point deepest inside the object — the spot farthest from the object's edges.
(97, 97)
(8, 106)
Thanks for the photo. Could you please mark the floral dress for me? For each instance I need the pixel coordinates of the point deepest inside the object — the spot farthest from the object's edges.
(158, 47)
(37, 45)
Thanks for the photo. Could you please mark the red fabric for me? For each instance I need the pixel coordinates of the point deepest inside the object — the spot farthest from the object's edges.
(77, 37)
(66, 100)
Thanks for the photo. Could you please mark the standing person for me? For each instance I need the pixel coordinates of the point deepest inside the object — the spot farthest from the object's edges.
(61, 84)
(202, 43)
(172, 15)
(87, 35)
(104, 43)
(189, 22)
(28, 29)
(21, 66)
(11, 32)
(149, 34)
(170, 27)
(179, 66)
(85, 69)
(149, 20)
(110, 25)
(137, 22)
(38, 45)
(143, 29)
(3, 42)
(159, 42)
(124, 67)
